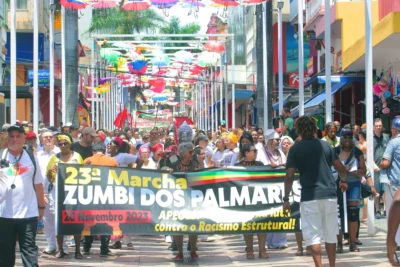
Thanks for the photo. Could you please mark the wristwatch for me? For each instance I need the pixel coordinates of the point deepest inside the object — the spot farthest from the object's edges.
(41, 208)
(285, 199)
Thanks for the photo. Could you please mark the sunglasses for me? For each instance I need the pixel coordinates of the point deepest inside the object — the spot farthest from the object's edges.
(63, 144)
(253, 150)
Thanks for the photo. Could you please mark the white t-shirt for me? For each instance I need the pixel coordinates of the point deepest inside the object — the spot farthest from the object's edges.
(230, 157)
(151, 165)
(261, 154)
(283, 158)
(208, 152)
(20, 202)
(124, 159)
(44, 158)
(217, 157)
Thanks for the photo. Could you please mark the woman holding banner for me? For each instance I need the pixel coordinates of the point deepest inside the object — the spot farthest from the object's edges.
(184, 162)
(275, 159)
(249, 154)
(65, 156)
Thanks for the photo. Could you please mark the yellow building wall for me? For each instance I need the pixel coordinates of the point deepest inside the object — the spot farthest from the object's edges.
(353, 21)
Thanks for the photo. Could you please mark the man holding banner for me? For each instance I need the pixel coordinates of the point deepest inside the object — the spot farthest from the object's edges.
(313, 159)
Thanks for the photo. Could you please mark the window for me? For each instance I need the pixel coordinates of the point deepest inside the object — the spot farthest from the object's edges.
(21, 4)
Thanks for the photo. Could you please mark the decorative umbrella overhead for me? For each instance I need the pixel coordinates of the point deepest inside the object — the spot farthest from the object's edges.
(141, 47)
(214, 46)
(189, 102)
(160, 98)
(73, 4)
(109, 54)
(252, 2)
(207, 59)
(160, 60)
(98, 4)
(193, 4)
(138, 67)
(164, 2)
(157, 82)
(227, 3)
(184, 57)
(135, 5)
(160, 71)
(157, 89)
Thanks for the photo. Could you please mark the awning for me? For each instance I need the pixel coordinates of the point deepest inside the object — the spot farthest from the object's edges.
(311, 106)
(22, 91)
(216, 105)
(243, 94)
(285, 101)
(342, 79)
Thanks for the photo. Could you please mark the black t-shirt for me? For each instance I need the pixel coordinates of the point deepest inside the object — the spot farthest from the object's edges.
(84, 151)
(313, 159)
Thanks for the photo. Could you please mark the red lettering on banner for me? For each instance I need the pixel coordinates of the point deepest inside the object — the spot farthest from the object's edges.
(113, 218)
(105, 216)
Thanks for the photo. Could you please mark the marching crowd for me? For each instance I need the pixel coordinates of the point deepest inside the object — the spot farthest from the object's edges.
(330, 161)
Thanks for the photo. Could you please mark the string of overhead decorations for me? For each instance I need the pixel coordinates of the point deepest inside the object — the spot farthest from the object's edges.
(137, 5)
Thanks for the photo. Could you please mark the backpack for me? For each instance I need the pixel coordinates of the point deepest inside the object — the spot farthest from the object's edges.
(31, 156)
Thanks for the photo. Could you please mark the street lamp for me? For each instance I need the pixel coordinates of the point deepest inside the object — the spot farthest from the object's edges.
(280, 63)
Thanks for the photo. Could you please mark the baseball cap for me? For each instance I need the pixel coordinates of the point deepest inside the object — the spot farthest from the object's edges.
(68, 124)
(16, 127)
(30, 135)
(24, 122)
(74, 127)
(89, 130)
(98, 146)
(396, 123)
(345, 131)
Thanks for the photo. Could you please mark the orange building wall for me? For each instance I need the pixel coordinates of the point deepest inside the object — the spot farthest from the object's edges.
(23, 104)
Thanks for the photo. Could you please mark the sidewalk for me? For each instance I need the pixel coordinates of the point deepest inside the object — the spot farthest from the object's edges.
(225, 251)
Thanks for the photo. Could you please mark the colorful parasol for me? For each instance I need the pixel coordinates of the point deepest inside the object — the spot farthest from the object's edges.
(73, 4)
(227, 2)
(135, 5)
(214, 46)
(184, 57)
(145, 47)
(157, 82)
(160, 98)
(110, 54)
(157, 89)
(160, 60)
(98, 4)
(252, 2)
(138, 67)
(207, 59)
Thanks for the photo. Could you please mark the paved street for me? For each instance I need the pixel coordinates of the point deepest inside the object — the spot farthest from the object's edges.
(225, 251)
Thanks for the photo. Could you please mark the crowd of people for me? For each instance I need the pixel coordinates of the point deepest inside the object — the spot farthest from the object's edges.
(330, 161)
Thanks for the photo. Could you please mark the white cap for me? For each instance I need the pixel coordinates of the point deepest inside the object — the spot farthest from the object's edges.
(270, 134)
(171, 134)
(68, 124)
(24, 122)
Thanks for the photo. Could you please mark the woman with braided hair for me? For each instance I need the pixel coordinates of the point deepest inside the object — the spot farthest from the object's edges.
(313, 159)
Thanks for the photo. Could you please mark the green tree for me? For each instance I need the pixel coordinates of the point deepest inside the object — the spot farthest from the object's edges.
(175, 27)
(118, 21)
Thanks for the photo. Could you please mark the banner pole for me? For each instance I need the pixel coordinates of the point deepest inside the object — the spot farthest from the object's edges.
(345, 212)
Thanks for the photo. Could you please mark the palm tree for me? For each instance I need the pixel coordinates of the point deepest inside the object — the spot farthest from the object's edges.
(175, 27)
(118, 21)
